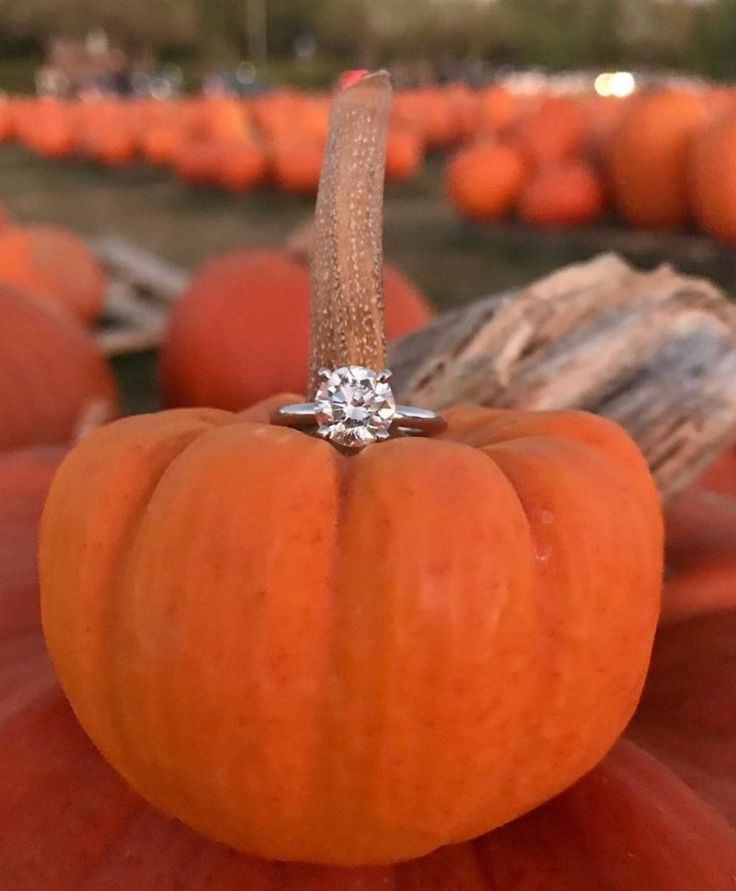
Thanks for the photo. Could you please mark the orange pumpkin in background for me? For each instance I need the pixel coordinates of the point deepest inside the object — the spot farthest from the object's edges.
(498, 110)
(557, 131)
(242, 165)
(351, 660)
(404, 153)
(51, 372)
(296, 162)
(484, 180)
(713, 179)
(240, 332)
(648, 159)
(56, 265)
(25, 475)
(568, 195)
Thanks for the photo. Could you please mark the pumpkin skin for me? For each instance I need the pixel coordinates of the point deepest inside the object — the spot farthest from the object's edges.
(648, 158)
(484, 180)
(50, 373)
(381, 654)
(25, 476)
(713, 177)
(569, 195)
(240, 333)
(56, 265)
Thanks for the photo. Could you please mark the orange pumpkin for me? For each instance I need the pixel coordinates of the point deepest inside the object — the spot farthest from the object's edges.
(296, 162)
(25, 476)
(403, 154)
(569, 195)
(360, 659)
(648, 158)
(50, 373)
(484, 180)
(497, 110)
(242, 165)
(240, 332)
(713, 174)
(557, 131)
(56, 265)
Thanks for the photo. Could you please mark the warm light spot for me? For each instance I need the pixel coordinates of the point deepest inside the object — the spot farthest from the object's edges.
(615, 83)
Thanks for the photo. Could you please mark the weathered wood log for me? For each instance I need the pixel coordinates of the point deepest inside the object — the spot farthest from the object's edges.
(655, 351)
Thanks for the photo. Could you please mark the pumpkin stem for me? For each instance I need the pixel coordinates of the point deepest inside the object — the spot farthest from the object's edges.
(347, 324)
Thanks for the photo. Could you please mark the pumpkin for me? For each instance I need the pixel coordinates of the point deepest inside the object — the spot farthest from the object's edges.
(240, 331)
(648, 158)
(50, 373)
(357, 659)
(555, 132)
(484, 180)
(25, 475)
(403, 154)
(56, 265)
(242, 165)
(497, 110)
(68, 822)
(426, 621)
(713, 178)
(568, 195)
(296, 160)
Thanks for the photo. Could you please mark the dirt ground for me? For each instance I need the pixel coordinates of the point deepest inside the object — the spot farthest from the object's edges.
(451, 261)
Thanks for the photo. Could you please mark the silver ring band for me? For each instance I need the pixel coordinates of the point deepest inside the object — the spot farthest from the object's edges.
(407, 419)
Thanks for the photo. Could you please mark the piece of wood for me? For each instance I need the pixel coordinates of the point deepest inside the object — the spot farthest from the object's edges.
(655, 351)
(141, 268)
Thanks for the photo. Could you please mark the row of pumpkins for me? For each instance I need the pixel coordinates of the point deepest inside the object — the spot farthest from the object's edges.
(67, 821)
(225, 345)
(662, 159)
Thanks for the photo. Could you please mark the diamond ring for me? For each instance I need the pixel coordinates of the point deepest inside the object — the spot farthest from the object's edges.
(354, 407)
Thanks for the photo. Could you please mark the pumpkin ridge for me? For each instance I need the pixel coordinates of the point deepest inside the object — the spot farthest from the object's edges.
(129, 735)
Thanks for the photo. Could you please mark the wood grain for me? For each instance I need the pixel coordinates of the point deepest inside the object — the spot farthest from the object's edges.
(655, 351)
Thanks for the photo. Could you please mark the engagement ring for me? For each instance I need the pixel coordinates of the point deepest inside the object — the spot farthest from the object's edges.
(354, 407)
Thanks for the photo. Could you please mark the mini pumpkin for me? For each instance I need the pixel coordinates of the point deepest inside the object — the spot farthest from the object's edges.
(351, 659)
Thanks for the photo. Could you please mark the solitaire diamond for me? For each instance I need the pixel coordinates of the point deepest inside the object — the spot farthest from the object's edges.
(354, 406)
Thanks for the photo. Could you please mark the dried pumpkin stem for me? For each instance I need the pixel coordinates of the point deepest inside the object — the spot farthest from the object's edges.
(347, 323)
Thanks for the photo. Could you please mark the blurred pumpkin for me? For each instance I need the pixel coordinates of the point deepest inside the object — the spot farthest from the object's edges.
(484, 180)
(713, 179)
(56, 265)
(195, 162)
(568, 195)
(648, 158)
(242, 165)
(366, 695)
(558, 130)
(296, 162)
(50, 372)
(240, 333)
(25, 475)
(403, 154)
(498, 110)
(160, 143)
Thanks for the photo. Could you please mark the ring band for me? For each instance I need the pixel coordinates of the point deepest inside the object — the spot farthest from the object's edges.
(407, 419)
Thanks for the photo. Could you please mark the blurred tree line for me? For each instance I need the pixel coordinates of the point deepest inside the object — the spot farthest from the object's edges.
(698, 35)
